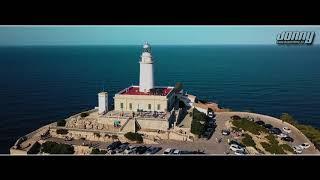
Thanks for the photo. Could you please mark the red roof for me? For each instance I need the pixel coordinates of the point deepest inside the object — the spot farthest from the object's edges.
(134, 90)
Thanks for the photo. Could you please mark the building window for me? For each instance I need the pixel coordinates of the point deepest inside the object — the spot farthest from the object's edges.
(158, 107)
(130, 106)
(149, 106)
(121, 105)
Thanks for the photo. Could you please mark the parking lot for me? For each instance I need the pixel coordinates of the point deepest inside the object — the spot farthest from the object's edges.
(217, 144)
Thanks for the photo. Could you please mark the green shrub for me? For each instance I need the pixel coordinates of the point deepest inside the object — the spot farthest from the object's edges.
(35, 149)
(62, 131)
(288, 118)
(272, 139)
(55, 148)
(250, 126)
(61, 123)
(96, 134)
(178, 87)
(98, 151)
(134, 137)
(272, 148)
(286, 147)
(197, 127)
(84, 114)
(248, 141)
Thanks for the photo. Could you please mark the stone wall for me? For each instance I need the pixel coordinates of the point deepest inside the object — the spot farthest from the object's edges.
(153, 124)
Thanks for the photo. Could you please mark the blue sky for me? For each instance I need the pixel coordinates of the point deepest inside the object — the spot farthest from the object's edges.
(136, 35)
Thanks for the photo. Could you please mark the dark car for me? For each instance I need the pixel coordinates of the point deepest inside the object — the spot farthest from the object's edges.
(153, 150)
(260, 123)
(267, 126)
(237, 143)
(276, 131)
(225, 132)
(141, 149)
(122, 147)
(114, 145)
(288, 139)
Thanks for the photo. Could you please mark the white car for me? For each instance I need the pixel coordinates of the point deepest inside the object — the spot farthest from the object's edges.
(286, 129)
(235, 147)
(210, 114)
(304, 146)
(176, 152)
(168, 151)
(282, 135)
(240, 152)
(297, 149)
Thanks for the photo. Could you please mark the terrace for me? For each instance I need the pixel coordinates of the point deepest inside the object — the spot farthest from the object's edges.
(157, 91)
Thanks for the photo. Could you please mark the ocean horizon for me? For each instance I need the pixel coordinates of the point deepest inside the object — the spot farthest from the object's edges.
(43, 84)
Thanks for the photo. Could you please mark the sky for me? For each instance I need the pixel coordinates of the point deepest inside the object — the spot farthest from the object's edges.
(137, 35)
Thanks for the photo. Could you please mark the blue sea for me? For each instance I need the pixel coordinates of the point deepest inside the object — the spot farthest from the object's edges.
(42, 84)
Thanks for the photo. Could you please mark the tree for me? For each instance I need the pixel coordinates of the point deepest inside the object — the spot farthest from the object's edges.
(61, 123)
(84, 115)
(178, 87)
(288, 118)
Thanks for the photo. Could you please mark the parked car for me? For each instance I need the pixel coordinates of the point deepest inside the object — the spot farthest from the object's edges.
(286, 129)
(176, 152)
(275, 130)
(211, 123)
(288, 139)
(207, 134)
(235, 147)
(210, 114)
(122, 147)
(153, 150)
(282, 135)
(240, 152)
(114, 145)
(237, 143)
(235, 117)
(225, 132)
(168, 151)
(267, 126)
(304, 146)
(297, 149)
(141, 149)
(130, 149)
(260, 123)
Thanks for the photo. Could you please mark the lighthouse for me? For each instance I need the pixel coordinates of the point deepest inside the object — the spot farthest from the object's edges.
(146, 69)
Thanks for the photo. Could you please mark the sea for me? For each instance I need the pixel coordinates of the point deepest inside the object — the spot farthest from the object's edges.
(43, 84)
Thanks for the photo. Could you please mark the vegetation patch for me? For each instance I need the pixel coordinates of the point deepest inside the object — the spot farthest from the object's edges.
(250, 126)
(35, 149)
(199, 122)
(84, 114)
(62, 131)
(286, 147)
(96, 134)
(98, 151)
(61, 123)
(134, 137)
(272, 148)
(55, 148)
(248, 141)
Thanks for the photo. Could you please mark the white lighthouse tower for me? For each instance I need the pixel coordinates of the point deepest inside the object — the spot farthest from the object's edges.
(146, 69)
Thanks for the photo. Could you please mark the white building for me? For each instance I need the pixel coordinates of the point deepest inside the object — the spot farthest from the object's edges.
(146, 70)
(146, 96)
